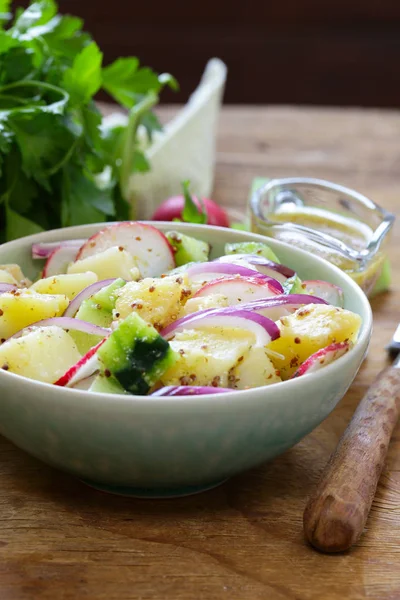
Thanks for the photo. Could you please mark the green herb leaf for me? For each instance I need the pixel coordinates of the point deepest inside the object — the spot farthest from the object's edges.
(57, 165)
(169, 80)
(83, 201)
(19, 226)
(126, 82)
(37, 13)
(16, 64)
(5, 14)
(190, 213)
(151, 123)
(83, 79)
(140, 162)
(67, 39)
(44, 141)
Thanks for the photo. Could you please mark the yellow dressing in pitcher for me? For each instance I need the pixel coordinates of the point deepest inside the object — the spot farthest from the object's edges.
(351, 232)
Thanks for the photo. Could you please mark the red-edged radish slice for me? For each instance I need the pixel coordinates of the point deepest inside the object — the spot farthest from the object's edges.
(7, 287)
(260, 264)
(85, 384)
(240, 290)
(83, 369)
(148, 246)
(322, 358)
(44, 249)
(67, 323)
(263, 328)
(88, 292)
(58, 261)
(189, 390)
(331, 293)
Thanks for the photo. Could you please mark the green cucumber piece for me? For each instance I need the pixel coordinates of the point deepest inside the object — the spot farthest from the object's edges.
(135, 355)
(97, 310)
(106, 385)
(252, 248)
(293, 285)
(187, 248)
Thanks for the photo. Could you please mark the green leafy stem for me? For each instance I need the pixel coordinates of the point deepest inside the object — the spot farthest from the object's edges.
(129, 147)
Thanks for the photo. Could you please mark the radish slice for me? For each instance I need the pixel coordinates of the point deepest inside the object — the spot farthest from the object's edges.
(263, 328)
(66, 323)
(241, 289)
(58, 261)
(85, 384)
(88, 292)
(189, 390)
(7, 287)
(149, 246)
(333, 294)
(83, 369)
(44, 250)
(260, 264)
(322, 358)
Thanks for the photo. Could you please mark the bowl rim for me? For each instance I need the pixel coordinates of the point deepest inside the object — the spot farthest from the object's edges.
(97, 398)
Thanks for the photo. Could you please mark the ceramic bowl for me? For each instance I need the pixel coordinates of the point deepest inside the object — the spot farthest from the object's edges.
(174, 446)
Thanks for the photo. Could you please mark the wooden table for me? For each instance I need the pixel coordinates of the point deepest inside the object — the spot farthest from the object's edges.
(244, 540)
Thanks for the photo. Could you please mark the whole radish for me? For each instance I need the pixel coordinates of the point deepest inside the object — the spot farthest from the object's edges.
(192, 210)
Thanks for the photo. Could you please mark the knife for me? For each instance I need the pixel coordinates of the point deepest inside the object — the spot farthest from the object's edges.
(336, 513)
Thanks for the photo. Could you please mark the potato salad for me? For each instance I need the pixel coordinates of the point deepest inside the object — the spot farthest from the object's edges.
(134, 311)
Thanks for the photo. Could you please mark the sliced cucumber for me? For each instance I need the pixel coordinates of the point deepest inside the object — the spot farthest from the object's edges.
(97, 310)
(188, 249)
(135, 355)
(293, 285)
(252, 248)
(106, 385)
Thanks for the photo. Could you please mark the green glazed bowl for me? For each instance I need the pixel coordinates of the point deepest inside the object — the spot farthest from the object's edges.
(160, 446)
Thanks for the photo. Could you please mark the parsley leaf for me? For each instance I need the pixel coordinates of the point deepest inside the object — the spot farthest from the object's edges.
(58, 166)
(190, 213)
(83, 79)
(18, 226)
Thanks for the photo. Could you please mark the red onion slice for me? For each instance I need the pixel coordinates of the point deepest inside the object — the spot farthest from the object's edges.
(44, 249)
(262, 265)
(214, 270)
(276, 307)
(88, 292)
(263, 328)
(7, 287)
(189, 390)
(67, 323)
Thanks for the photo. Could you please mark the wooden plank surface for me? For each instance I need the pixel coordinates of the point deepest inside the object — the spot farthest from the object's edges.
(62, 540)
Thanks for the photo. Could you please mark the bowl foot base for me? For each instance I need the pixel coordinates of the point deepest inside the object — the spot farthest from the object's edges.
(153, 493)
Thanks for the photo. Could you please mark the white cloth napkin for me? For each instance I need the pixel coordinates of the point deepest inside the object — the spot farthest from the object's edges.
(185, 149)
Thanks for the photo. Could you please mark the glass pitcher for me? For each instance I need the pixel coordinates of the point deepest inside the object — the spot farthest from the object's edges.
(336, 222)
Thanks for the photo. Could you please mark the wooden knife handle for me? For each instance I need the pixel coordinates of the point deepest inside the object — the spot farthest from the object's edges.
(335, 515)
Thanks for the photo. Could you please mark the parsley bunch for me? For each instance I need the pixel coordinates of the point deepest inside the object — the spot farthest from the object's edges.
(58, 167)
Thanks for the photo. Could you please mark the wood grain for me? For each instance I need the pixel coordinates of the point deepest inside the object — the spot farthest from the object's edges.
(244, 540)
